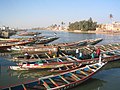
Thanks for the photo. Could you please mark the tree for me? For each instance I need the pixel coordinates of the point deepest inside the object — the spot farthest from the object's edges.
(83, 25)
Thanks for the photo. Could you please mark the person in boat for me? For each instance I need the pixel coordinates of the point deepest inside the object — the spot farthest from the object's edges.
(98, 52)
(49, 52)
(77, 53)
(93, 54)
(59, 52)
(80, 55)
(27, 56)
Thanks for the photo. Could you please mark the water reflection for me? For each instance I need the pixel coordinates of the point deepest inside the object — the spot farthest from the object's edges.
(112, 65)
(91, 84)
(29, 74)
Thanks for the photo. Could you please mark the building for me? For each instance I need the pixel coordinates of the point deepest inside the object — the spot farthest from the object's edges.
(114, 26)
(6, 32)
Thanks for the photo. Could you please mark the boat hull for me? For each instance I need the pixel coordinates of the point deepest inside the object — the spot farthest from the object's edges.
(61, 81)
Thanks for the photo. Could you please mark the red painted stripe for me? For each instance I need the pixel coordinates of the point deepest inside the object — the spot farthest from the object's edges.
(28, 65)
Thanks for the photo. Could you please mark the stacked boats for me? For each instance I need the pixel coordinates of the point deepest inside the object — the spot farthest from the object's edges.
(41, 48)
(8, 44)
(72, 70)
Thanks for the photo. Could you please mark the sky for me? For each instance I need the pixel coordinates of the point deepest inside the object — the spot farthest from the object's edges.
(43, 13)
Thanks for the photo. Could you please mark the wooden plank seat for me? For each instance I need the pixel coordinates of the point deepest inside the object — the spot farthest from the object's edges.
(68, 77)
(93, 67)
(88, 70)
(79, 74)
(51, 85)
(35, 86)
(59, 81)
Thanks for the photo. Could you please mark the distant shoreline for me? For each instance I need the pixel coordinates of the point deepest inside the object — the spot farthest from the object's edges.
(91, 32)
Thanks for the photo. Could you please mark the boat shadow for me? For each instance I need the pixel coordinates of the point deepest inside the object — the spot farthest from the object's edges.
(90, 84)
(28, 74)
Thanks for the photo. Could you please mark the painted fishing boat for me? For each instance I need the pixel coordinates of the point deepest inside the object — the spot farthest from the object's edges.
(46, 40)
(85, 50)
(77, 43)
(90, 49)
(9, 39)
(29, 33)
(23, 42)
(67, 63)
(66, 68)
(45, 63)
(107, 57)
(60, 81)
(53, 47)
(38, 66)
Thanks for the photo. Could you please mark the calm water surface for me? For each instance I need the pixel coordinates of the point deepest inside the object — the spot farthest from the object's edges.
(107, 79)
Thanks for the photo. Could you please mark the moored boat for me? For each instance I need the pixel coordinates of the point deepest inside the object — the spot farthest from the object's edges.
(66, 63)
(90, 49)
(29, 33)
(107, 57)
(9, 39)
(10, 44)
(44, 64)
(46, 40)
(86, 51)
(53, 47)
(60, 81)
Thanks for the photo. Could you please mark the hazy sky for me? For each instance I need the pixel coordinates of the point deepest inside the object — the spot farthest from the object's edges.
(40, 13)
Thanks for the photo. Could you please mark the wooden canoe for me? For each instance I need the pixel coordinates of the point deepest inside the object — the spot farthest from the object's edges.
(8, 45)
(60, 81)
(9, 40)
(90, 49)
(71, 51)
(68, 61)
(53, 47)
(110, 57)
(29, 33)
(46, 40)
(45, 63)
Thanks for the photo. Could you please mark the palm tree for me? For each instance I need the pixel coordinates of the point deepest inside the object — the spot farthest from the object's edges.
(111, 16)
(62, 23)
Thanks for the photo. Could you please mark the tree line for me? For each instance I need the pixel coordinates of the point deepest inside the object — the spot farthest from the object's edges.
(84, 25)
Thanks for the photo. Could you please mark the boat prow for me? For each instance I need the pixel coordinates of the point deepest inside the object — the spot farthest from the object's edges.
(18, 68)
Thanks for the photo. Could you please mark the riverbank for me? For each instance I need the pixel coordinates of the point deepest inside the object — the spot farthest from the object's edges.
(95, 32)
(90, 32)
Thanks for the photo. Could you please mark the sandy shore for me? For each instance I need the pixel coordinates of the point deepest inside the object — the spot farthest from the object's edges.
(91, 32)
(96, 32)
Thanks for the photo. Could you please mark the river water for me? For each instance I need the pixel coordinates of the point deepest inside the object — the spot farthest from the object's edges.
(106, 79)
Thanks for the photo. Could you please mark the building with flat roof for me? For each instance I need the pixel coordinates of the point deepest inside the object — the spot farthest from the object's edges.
(114, 26)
